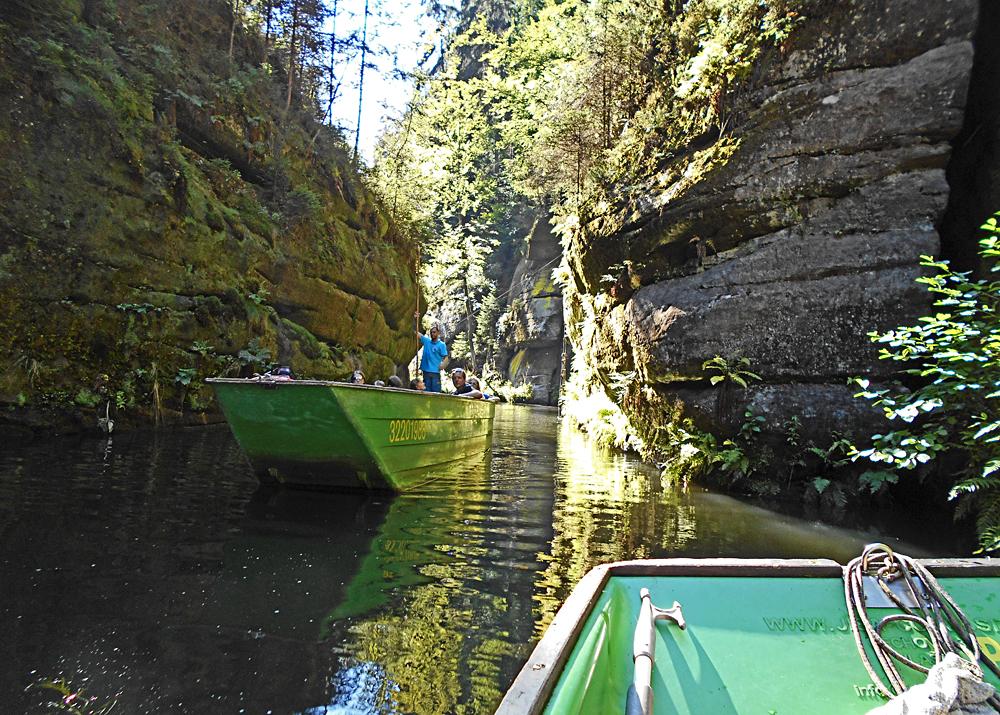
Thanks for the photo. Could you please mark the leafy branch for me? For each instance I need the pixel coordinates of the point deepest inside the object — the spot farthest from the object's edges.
(955, 355)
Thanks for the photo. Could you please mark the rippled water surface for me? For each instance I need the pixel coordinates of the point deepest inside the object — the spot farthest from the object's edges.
(150, 571)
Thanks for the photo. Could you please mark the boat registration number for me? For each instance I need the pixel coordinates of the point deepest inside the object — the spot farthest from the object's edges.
(407, 430)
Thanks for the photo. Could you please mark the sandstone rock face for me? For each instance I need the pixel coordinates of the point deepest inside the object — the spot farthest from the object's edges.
(793, 236)
(163, 220)
(532, 332)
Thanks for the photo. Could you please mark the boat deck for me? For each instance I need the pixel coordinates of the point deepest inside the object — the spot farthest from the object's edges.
(762, 637)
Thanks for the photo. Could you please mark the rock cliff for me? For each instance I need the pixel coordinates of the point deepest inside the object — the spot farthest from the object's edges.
(788, 238)
(531, 331)
(165, 217)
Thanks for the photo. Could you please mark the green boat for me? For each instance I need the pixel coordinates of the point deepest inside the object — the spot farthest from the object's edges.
(321, 434)
(742, 636)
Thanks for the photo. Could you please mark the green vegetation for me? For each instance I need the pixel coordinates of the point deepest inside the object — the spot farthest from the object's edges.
(589, 408)
(509, 392)
(737, 372)
(566, 104)
(495, 384)
(574, 99)
(949, 412)
(255, 356)
(173, 199)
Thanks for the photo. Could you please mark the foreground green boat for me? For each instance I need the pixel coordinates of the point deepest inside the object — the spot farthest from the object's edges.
(320, 434)
(752, 636)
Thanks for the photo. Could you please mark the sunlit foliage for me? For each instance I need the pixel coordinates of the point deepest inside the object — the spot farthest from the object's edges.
(440, 170)
(954, 412)
(570, 104)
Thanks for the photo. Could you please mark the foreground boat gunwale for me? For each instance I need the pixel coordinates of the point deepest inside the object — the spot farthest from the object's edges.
(529, 693)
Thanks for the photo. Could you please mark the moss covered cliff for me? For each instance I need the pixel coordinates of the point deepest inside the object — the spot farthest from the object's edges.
(165, 218)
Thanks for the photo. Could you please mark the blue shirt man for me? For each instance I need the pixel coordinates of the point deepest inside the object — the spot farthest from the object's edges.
(430, 363)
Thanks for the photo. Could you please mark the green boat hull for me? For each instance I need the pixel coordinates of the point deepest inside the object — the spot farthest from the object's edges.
(761, 637)
(332, 435)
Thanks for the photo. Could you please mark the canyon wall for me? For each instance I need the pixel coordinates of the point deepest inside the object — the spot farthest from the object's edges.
(168, 214)
(793, 234)
(531, 332)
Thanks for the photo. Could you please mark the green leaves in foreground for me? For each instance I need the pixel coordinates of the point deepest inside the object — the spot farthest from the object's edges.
(954, 355)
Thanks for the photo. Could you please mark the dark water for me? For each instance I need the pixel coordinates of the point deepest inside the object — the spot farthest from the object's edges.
(152, 573)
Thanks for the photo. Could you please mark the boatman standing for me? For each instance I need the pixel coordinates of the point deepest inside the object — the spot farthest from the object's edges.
(435, 351)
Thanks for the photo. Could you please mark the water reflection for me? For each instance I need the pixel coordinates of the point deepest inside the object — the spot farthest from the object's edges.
(504, 557)
(428, 615)
(153, 570)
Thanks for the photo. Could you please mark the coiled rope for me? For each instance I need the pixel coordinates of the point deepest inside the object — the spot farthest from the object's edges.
(948, 629)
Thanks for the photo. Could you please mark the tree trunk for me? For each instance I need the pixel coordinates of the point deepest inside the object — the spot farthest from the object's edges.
(579, 166)
(605, 83)
(269, 10)
(232, 29)
(468, 324)
(361, 80)
(92, 12)
(331, 95)
(291, 54)
(397, 162)
(302, 69)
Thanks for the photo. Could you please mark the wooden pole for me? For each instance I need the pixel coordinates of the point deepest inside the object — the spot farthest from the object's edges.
(416, 314)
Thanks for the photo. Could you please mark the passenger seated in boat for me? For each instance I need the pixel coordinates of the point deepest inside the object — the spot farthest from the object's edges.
(357, 378)
(282, 374)
(417, 384)
(378, 383)
(474, 381)
(394, 381)
(463, 388)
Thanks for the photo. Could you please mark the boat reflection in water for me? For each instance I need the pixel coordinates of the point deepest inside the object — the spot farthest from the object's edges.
(308, 568)
(465, 575)
(408, 619)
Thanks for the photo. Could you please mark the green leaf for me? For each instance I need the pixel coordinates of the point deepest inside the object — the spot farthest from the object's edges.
(876, 480)
(986, 430)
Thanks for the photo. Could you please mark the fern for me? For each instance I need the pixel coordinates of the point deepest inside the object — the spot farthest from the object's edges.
(988, 522)
(972, 486)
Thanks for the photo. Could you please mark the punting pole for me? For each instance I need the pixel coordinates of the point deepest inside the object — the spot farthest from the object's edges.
(640, 694)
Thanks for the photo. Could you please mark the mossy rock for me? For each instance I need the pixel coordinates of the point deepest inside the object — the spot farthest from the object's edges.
(147, 217)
